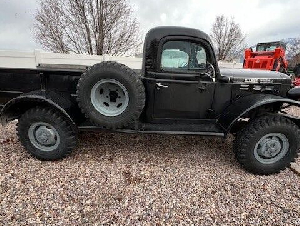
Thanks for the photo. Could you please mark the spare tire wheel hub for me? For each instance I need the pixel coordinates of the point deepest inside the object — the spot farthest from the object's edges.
(109, 97)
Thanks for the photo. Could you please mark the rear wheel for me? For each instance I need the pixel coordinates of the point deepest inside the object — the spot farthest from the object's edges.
(45, 134)
(267, 145)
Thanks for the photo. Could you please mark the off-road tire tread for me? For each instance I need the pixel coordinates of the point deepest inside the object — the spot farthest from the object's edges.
(243, 138)
(139, 86)
(71, 136)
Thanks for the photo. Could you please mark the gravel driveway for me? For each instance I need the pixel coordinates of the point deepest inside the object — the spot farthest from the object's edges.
(118, 179)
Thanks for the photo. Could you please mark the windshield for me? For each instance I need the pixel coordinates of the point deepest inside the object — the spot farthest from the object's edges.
(267, 47)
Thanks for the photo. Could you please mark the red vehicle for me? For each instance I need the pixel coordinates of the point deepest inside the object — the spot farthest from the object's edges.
(268, 56)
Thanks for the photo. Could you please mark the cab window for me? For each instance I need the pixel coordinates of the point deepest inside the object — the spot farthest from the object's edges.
(183, 55)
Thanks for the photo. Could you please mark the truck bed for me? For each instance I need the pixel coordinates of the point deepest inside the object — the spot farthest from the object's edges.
(14, 82)
(35, 59)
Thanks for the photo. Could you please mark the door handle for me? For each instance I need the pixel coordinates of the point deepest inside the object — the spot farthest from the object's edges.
(160, 86)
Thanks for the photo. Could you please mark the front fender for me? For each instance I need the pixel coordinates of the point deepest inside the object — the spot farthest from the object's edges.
(245, 105)
(18, 106)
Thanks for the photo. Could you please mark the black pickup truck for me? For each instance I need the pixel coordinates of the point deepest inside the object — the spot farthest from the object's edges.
(180, 90)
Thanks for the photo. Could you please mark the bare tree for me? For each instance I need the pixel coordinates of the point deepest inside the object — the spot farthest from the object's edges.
(293, 50)
(93, 27)
(228, 38)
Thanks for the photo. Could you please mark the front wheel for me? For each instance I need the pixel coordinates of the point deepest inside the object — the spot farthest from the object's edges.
(46, 134)
(267, 145)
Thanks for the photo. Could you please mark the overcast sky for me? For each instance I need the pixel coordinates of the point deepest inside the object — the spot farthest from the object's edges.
(260, 20)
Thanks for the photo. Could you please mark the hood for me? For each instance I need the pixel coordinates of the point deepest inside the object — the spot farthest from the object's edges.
(255, 76)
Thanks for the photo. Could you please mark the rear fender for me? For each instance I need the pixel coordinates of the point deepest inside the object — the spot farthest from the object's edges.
(243, 107)
(18, 106)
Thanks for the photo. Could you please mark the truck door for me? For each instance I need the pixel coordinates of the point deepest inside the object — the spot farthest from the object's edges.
(183, 89)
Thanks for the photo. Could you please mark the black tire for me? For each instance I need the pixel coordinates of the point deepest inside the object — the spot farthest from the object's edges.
(68, 136)
(249, 137)
(121, 74)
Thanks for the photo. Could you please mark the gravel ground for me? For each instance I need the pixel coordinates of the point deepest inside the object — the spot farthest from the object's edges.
(118, 179)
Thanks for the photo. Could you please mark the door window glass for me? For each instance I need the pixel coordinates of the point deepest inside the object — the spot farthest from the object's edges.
(183, 55)
(175, 55)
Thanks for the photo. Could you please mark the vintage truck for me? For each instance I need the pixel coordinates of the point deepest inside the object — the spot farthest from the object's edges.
(180, 90)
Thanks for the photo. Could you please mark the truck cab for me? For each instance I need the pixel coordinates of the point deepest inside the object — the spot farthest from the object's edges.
(179, 71)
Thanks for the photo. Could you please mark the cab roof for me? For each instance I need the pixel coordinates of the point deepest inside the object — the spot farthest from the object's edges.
(164, 31)
(155, 37)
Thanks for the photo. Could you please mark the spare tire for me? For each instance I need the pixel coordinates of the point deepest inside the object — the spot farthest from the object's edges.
(111, 95)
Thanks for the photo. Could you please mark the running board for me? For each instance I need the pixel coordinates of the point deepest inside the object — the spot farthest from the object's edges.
(172, 129)
(95, 128)
(177, 133)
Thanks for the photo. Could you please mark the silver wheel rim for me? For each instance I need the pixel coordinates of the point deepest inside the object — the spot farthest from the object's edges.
(109, 97)
(44, 136)
(271, 148)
